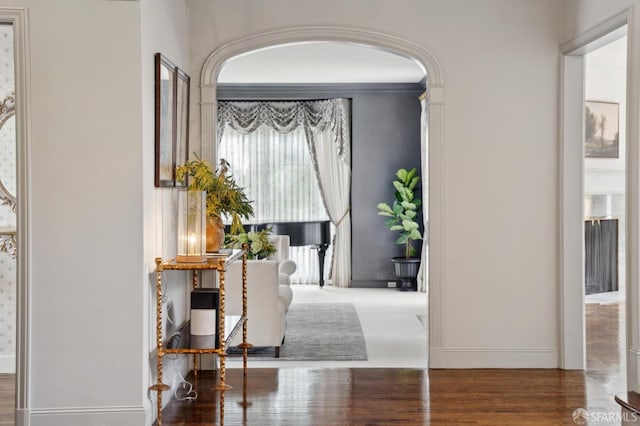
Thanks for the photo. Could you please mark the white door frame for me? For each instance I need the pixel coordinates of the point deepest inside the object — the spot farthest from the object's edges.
(435, 155)
(19, 18)
(571, 243)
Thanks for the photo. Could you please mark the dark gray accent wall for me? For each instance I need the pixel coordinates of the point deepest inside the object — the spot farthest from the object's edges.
(385, 137)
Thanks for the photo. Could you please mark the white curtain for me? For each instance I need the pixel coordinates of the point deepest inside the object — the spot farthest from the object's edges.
(335, 182)
(276, 171)
(423, 273)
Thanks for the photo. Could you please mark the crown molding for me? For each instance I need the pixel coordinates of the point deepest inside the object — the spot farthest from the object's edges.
(237, 91)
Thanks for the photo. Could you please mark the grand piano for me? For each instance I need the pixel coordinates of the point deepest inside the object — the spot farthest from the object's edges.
(316, 234)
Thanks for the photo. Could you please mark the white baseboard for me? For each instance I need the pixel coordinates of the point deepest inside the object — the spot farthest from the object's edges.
(492, 358)
(94, 416)
(22, 417)
(7, 364)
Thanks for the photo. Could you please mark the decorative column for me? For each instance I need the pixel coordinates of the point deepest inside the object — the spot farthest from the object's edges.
(208, 123)
(208, 145)
(435, 238)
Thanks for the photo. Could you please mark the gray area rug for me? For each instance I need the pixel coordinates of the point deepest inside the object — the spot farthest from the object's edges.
(323, 332)
(317, 332)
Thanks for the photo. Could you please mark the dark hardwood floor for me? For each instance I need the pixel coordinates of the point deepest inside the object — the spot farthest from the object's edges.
(315, 396)
(7, 399)
(386, 397)
(419, 397)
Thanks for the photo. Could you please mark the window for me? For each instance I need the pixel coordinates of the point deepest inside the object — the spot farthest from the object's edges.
(276, 170)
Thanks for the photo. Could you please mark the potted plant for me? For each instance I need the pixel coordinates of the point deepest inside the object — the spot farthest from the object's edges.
(402, 217)
(224, 197)
(260, 245)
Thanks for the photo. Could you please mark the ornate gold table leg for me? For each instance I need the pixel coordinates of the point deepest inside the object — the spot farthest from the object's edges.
(159, 387)
(195, 356)
(221, 408)
(222, 386)
(245, 346)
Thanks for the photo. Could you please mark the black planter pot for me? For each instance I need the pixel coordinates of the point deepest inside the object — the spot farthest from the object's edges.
(407, 272)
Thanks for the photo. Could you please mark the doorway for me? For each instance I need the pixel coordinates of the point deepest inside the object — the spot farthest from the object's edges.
(360, 74)
(587, 186)
(605, 93)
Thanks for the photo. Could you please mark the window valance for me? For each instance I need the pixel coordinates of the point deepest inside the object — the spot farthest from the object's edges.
(285, 116)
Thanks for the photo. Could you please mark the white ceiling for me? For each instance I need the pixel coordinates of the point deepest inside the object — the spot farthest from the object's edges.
(320, 62)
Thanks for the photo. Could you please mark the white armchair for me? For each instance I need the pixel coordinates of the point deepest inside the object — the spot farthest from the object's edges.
(268, 296)
(286, 266)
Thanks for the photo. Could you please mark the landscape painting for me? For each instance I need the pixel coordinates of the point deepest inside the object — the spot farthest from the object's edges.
(601, 134)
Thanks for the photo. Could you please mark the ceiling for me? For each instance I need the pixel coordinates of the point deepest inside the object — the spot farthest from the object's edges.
(320, 62)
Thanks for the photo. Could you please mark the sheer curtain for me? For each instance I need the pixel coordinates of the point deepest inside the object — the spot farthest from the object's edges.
(326, 125)
(276, 170)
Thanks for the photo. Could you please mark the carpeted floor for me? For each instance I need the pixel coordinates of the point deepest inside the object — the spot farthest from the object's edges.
(323, 331)
(319, 332)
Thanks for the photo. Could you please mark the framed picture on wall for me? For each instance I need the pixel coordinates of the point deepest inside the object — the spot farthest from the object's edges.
(165, 106)
(182, 118)
(602, 129)
(172, 120)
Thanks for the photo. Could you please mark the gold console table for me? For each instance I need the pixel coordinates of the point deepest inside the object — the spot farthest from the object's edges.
(228, 325)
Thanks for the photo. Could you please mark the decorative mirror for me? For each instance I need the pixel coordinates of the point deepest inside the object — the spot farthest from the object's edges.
(8, 170)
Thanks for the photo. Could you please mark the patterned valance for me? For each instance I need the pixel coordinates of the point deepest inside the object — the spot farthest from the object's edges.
(285, 116)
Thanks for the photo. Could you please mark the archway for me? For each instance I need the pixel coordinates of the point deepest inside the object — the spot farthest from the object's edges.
(435, 114)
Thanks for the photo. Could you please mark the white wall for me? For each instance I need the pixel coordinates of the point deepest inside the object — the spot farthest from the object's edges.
(86, 210)
(86, 234)
(605, 80)
(86, 217)
(164, 29)
(97, 220)
(500, 64)
(581, 15)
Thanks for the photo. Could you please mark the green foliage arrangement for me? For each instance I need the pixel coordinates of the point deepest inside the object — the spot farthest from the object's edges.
(260, 246)
(402, 214)
(224, 196)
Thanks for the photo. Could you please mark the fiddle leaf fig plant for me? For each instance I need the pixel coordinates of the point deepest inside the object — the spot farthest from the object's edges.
(404, 210)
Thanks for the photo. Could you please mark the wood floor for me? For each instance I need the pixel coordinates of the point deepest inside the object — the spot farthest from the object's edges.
(407, 396)
(7, 399)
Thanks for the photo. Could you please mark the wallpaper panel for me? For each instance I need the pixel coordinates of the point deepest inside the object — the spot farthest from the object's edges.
(7, 217)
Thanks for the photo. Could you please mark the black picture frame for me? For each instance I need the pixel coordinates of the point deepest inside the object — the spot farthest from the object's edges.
(602, 129)
(165, 117)
(183, 83)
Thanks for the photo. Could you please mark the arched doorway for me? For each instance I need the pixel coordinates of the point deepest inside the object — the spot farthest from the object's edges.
(433, 152)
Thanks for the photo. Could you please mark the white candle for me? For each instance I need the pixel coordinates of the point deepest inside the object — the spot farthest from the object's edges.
(191, 245)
